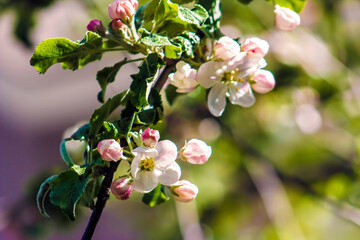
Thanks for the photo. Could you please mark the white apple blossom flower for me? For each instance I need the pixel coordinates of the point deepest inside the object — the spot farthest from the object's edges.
(285, 18)
(151, 166)
(184, 78)
(229, 79)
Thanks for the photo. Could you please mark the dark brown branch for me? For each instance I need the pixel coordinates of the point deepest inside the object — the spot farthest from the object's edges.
(170, 64)
(101, 201)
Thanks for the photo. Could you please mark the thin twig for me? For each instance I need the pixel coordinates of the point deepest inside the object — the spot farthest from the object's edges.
(100, 203)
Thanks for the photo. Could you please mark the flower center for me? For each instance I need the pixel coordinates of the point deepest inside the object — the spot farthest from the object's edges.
(147, 164)
(233, 76)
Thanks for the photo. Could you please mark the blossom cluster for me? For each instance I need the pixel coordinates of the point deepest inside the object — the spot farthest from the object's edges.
(154, 162)
(234, 72)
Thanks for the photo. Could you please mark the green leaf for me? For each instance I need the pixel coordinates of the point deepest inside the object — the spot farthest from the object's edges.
(102, 113)
(44, 189)
(107, 75)
(165, 10)
(66, 190)
(172, 51)
(110, 132)
(188, 42)
(91, 191)
(64, 154)
(212, 24)
(156, 196)
(197, 15)
(295, 5)
(125, 124)
(143, 79)
(82, 133)
(73, 55)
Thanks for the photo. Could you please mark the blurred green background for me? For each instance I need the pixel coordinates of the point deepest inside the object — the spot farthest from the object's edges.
(286, 168)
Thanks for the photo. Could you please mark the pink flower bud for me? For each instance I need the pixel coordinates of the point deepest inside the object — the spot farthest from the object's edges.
(264, 81)
(256, 46)
(195, 151)
(184, 191)
(97, 27)
(119, 27)
(110, 150)
(150, 137)
(121, 188)
(226, 48)
(285, 18)
(123, 10)
(184, 78)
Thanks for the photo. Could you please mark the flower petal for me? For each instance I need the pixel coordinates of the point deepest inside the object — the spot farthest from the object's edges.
(209, 74)
(145, 151)
(217, 99)
(145, 182)
(241, 94)
(171, 175)
(135, 165)
(167, 153)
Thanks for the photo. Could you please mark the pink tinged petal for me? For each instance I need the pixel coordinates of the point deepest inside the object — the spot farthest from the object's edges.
(250, 65)
(264, 81)
(241, 94)
(226, 48)
(121, 188)
(150, 137)
(209, 74)
(171, 175)
(234, 62)
(255, 46)
(217, 99)
(167, 153)
(110, 150)
(145, 182)
(285, 18)
(196, 152)
(184, 191)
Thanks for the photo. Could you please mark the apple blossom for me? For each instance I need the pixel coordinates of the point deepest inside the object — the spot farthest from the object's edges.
(121, 188)
(229, 78)
(256, 46)
(110, 150)
(225, 48)
(151, 166)
(184, 78)
(264, 81)
(97, 27)
(184, 191)
(285, 18)
(150, 137)
(195, 151)
(123, 10)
